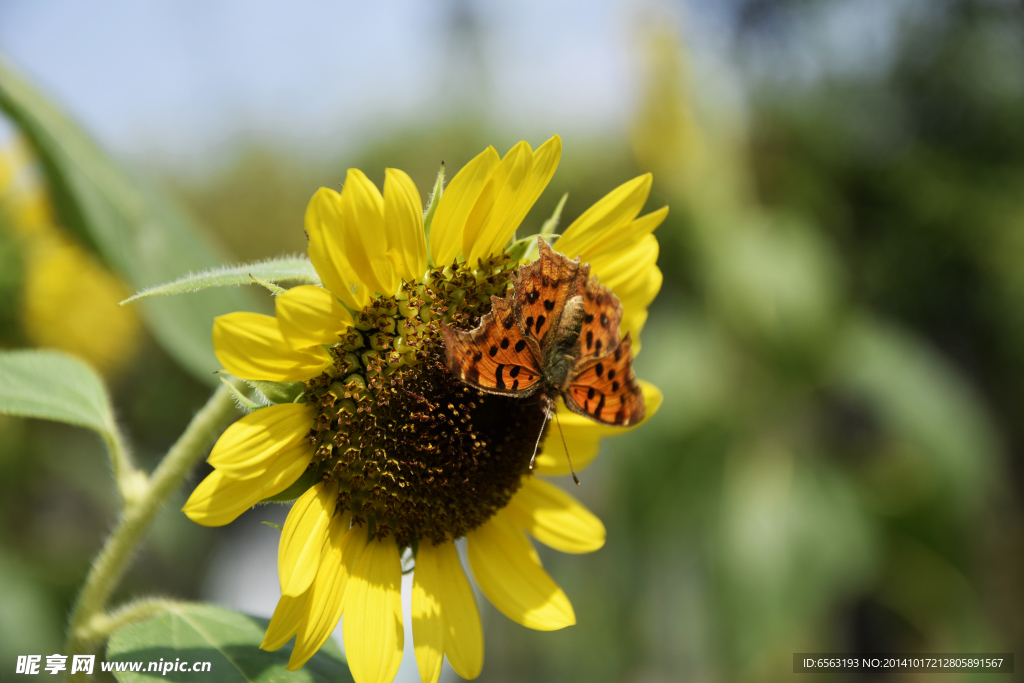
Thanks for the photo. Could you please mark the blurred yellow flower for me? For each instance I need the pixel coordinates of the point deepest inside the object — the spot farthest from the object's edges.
(401, 458)
(69, 300)
(665, 134)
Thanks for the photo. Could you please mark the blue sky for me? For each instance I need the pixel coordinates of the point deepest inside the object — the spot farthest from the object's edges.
(176, 81)
(186, 79)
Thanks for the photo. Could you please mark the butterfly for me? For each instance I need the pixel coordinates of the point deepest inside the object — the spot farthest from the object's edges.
(556, 333)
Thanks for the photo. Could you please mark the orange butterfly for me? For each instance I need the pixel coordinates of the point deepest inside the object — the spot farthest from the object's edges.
(557, 333)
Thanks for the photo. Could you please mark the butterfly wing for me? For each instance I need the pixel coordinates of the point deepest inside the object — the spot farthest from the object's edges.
(606, 390)
(495, 357)
(602, 313)
(541, 290)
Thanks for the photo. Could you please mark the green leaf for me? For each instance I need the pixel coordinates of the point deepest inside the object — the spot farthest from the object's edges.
(293, 269)
(272, 525)
(52, 386)
(194, 632)
(277, 392)
(136, 231)
(435, 197)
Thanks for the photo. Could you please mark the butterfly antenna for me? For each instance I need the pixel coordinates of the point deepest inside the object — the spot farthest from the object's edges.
(566, 447)
(547, 416)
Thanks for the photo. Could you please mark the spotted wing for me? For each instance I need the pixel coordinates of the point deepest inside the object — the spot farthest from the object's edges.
(541, 290)
(495, 357)
(602, 313)
(606, 390)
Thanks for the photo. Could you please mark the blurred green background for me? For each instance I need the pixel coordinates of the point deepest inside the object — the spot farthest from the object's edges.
(840, 337)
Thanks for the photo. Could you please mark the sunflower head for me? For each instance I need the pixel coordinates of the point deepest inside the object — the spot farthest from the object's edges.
(388, 452)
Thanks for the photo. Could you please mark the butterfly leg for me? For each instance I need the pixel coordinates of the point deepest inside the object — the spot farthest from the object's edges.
(548, 411)
(548, 405)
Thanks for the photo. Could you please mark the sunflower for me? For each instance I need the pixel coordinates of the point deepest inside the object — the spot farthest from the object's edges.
(394, 458)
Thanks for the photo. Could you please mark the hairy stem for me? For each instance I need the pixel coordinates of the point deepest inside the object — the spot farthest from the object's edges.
(136, 517)
(130, 481)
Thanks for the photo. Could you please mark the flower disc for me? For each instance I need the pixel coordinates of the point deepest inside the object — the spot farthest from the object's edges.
(416, 452)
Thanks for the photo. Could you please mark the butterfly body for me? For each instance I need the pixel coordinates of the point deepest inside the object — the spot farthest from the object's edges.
(556, 333)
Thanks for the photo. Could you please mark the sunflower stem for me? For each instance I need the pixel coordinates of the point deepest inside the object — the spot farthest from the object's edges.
(136, 517)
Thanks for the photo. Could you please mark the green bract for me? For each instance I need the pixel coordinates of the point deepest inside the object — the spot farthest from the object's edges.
(271, 271)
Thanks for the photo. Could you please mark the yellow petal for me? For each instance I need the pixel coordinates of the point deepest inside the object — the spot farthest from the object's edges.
(403, 224)
(302, 539)
(634, 324)
(583, 444)
(309, 316)
(427, 626)
(285, 622)
(614, 241)
(635, 278)
(249, 446)
(583, 435)
(505, 188)
(372, 629)
(463, 635)
(612, 212)
(328, 249)
(219, 500)
(326, 595)
(545, 161)
(453, 208)
(362, 221)
(444, 613)
(513, 580)
(630, 271)
(555, 518)
(250, 346)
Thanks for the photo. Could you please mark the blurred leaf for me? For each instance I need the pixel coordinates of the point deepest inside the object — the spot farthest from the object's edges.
(793, 538)
(194, 632)
(51, 386)
(136, 231)
(921, 398)
(694, 365)
(30, 618)
(295, 269)
(775, 279)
